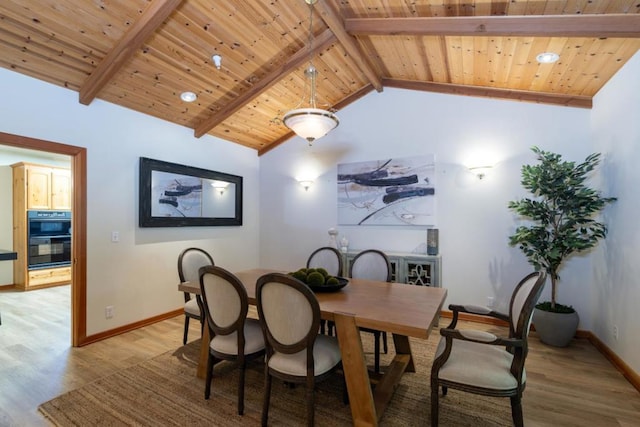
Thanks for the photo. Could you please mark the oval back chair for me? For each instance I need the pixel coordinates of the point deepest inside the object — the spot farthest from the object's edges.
(373, 264)
(189, 262)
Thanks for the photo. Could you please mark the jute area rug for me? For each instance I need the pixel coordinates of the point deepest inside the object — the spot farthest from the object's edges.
(164, 391)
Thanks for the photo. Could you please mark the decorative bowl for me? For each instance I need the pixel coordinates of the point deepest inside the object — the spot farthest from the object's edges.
(342, 282)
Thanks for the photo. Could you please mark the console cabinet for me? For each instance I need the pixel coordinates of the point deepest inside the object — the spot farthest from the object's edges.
(413, 269)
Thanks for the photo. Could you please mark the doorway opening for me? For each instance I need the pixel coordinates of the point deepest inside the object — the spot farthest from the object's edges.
(78, 157)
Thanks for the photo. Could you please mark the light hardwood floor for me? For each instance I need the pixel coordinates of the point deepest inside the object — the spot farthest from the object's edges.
(574, 386)
(37, 362)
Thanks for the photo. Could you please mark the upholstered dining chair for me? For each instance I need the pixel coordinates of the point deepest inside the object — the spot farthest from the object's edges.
(482, 363)
(289, 314)
(328, 258)
(372, 264)
(189, 262)
(234, 337)
(331, 260)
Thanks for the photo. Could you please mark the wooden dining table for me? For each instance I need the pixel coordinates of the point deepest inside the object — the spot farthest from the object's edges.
(400, 309)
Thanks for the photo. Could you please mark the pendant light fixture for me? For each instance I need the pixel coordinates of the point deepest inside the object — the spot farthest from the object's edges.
(311, 123)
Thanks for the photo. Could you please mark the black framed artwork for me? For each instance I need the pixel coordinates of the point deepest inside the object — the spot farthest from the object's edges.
(174, 195)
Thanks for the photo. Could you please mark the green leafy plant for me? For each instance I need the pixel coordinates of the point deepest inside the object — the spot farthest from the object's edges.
(560, 212)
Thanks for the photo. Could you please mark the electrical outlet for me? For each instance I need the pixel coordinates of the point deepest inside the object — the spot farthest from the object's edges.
(115, 236)
(108, 312)
(615, 332)
(490, 301)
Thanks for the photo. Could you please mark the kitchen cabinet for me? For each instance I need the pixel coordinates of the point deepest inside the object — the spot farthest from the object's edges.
(37, 184)
(60, 189)
(37, 188)
(45, 187)
(49, 276)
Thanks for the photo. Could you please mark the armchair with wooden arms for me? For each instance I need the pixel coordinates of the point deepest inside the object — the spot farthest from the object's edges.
(482, 363)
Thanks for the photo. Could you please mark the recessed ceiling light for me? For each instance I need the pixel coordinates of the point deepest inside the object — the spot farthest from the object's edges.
(188, 96)
(217, 60)
(547, 57)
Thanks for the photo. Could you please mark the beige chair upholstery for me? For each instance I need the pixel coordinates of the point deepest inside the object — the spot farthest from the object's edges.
(331, 260)
(189, 262)
(372, 264)
(482, 363)
(290, 316)
(234, 337)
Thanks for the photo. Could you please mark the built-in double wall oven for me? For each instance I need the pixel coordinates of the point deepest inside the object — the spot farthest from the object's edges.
(49, 239)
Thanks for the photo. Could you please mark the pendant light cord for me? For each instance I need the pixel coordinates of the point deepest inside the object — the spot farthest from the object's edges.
(311, 71)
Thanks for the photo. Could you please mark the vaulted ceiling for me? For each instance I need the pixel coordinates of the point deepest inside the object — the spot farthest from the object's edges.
(142, 54)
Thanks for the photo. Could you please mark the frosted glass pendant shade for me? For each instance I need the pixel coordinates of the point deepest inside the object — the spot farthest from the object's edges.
(311, 123)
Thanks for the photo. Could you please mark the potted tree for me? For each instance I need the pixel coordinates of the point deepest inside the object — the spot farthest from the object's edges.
(560, 222)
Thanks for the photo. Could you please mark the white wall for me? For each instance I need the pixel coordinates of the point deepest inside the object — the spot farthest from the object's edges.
(473, 218)
(138, 275)
(6, 222)
(616, 289)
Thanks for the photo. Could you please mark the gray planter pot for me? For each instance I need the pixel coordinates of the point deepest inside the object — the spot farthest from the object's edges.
(556, 329)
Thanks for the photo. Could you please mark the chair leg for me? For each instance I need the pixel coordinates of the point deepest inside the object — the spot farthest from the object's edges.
(310, 401)
(434, 405)
(384, 342)
(207, 387)
(516, 411)
(267, 397)
(186, 330)
(345, 391)
(376, 354)
(241, 389)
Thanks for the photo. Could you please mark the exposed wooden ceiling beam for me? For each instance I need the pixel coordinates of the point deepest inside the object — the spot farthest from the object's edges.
(300, 57)
(153, 16)
(488, 92)
(346, 101)
(609, 25)
(335, 23)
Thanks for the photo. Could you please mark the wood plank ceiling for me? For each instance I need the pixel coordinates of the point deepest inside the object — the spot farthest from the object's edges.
(142, 54)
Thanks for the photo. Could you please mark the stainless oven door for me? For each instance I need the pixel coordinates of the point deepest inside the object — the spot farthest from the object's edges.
(49, 251)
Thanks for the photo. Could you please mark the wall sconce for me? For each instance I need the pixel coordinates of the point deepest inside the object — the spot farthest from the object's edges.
(306, 184)
(220, 186)
(480, 171)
